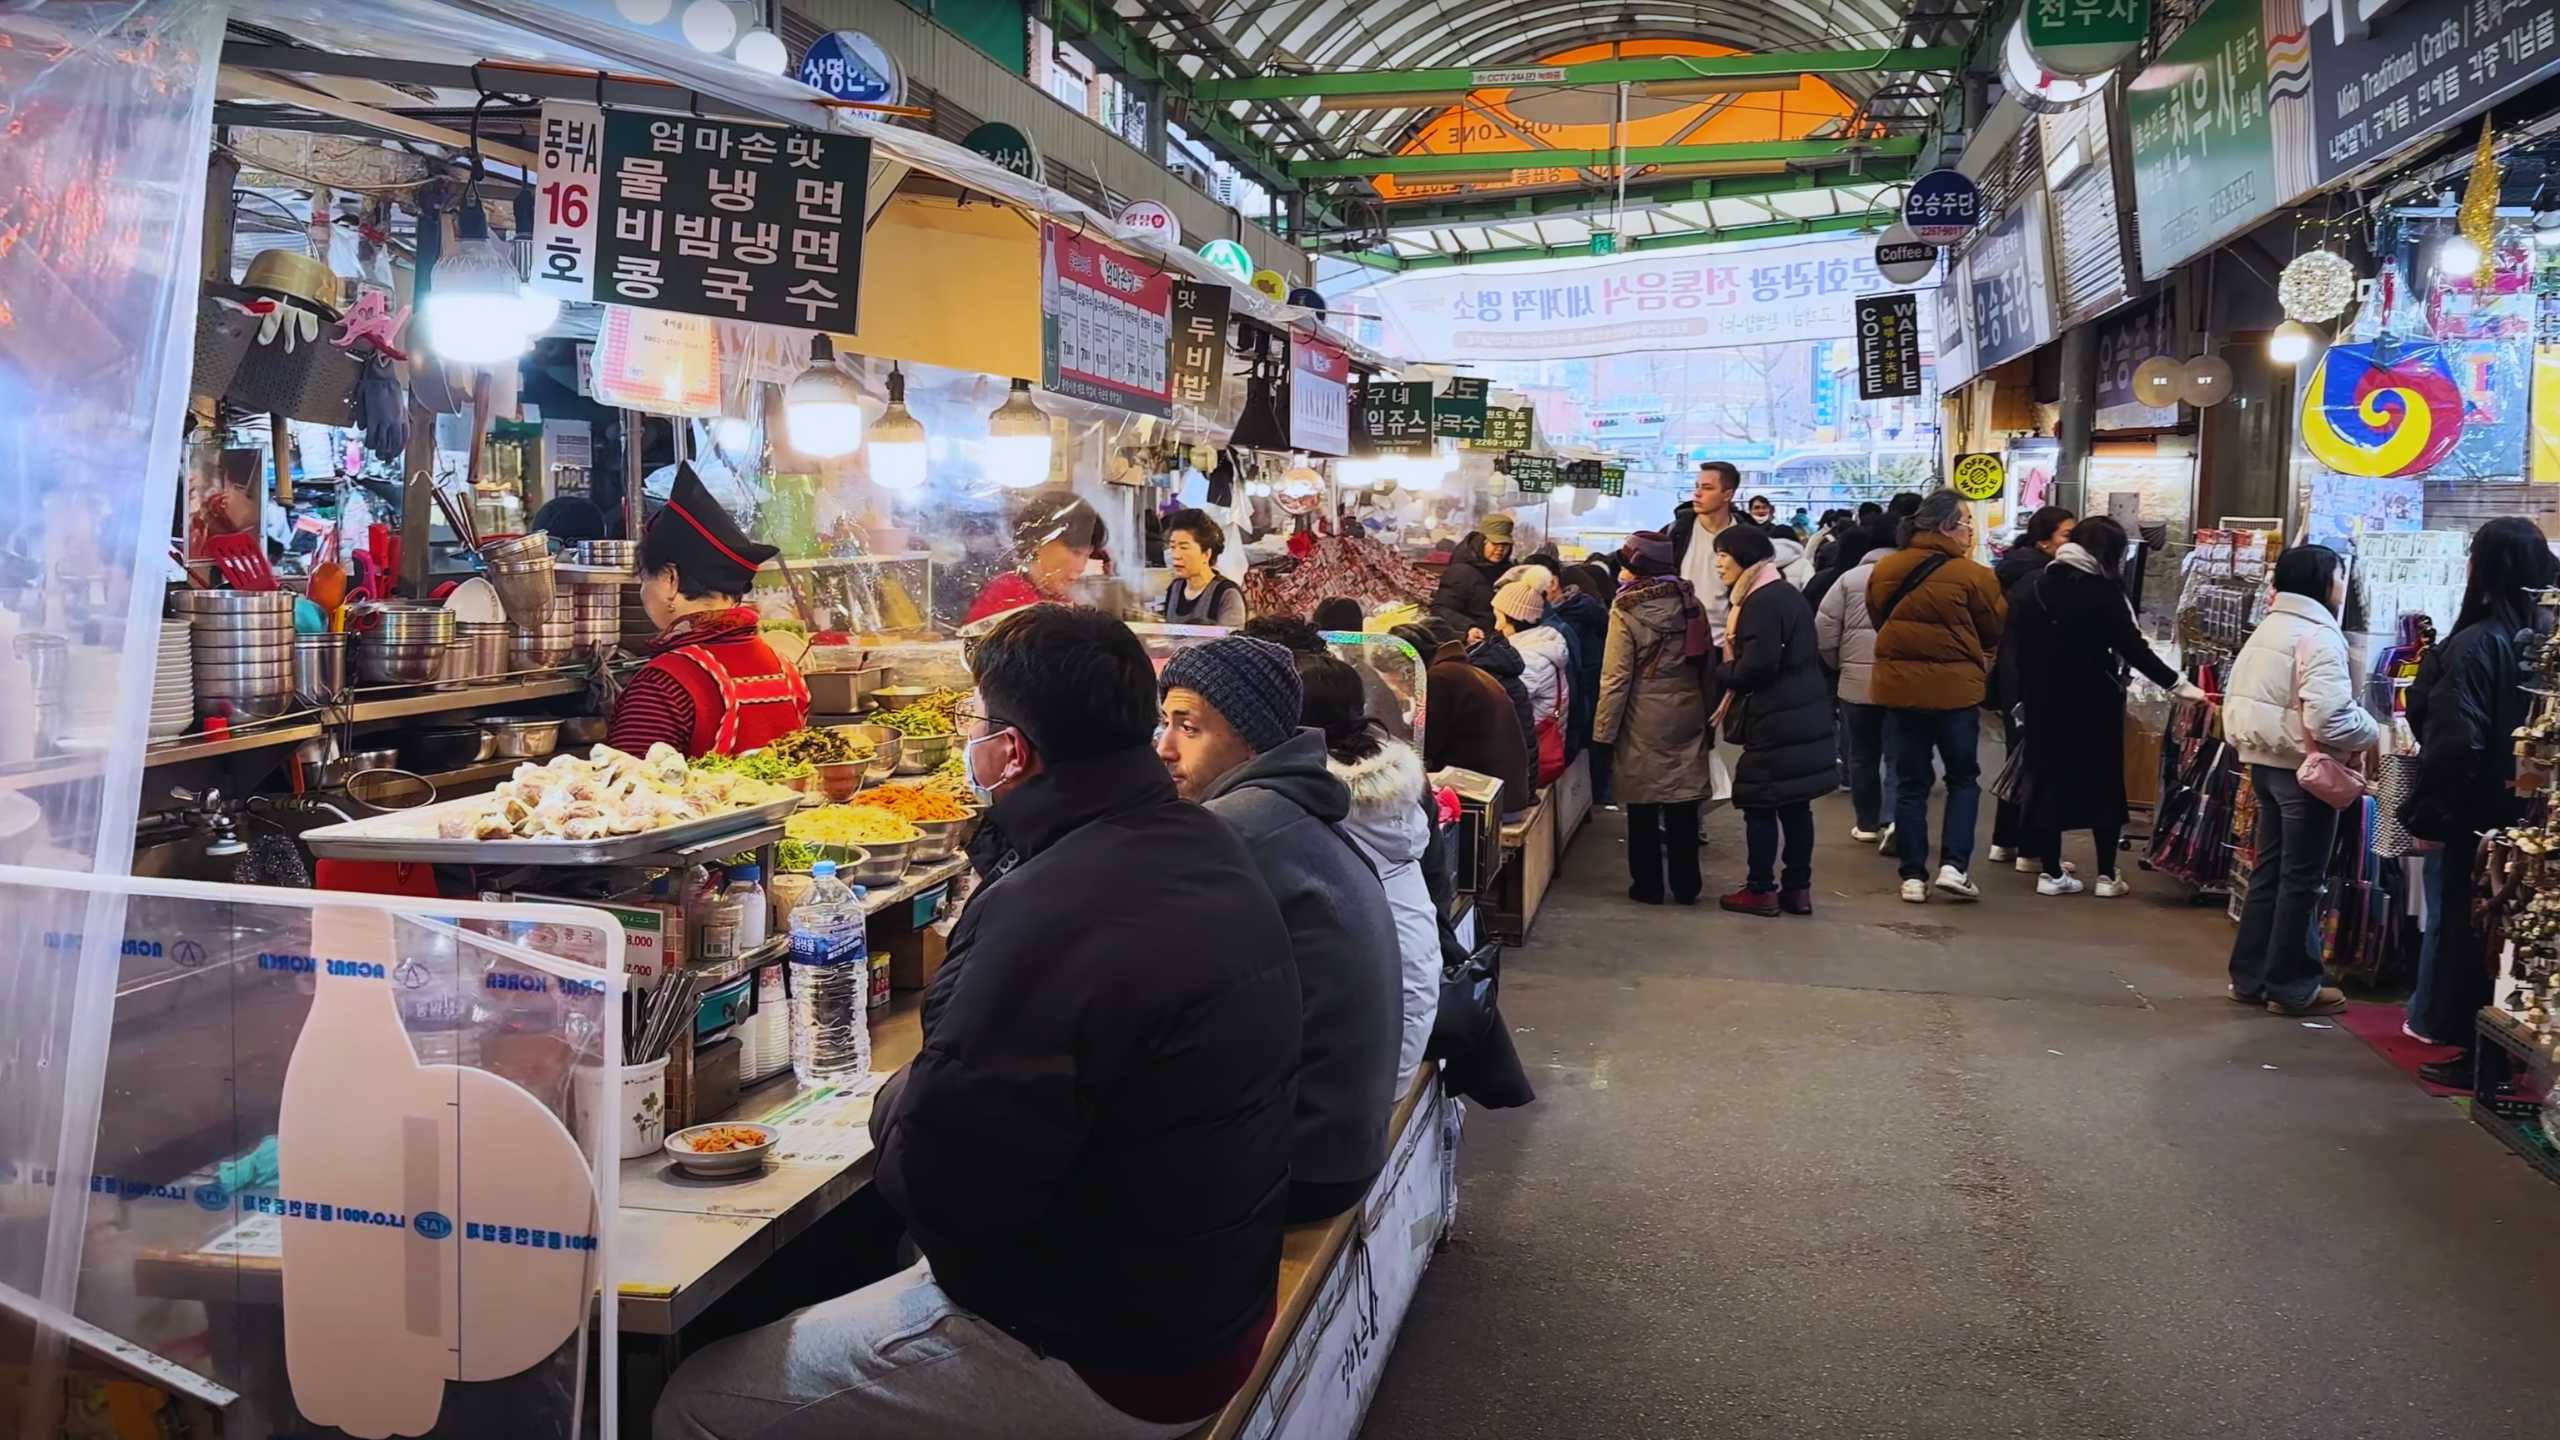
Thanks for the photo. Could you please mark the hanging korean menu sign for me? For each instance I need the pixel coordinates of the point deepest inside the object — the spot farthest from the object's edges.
(1582, 474)
(564, 207)
(1198, 369)
(1319, 398)
(733, 221)
(1888, 347)
(1506, 427)
(1391, 418)
(1535, 474)
(1106, 324)
(1613, 480)
(1458, 411)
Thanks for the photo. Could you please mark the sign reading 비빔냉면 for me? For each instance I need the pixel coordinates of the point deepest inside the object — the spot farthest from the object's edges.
(849, 65)
(1008, 147)
(1888, 347)
(1506, 427)
(1106, 323)
(1198, 370)
(1151, 218)
(1534, 474)
(1458, 411)
(1942, 206)
(1980, 476)
(1319, 398)
(1391, 417)
(733, 221)
(2085, 38)
(564, 201)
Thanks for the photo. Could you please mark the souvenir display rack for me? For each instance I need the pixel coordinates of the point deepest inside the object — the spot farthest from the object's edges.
(2518, 890)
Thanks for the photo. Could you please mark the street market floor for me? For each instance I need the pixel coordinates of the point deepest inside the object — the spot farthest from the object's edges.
(2010, 1168)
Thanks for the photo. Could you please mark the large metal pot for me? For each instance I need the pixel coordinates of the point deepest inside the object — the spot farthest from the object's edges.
(483, 647)
(538, 649)
(526, 737)
(193, 603)
(378, 663)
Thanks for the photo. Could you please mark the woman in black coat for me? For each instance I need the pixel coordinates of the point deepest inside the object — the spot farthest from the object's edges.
(2072, 632)
(2465, 707)
(1464, 599)
(1778, 708)
(2048, 530)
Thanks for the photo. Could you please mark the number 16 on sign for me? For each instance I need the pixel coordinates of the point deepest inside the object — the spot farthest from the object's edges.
(564, 210)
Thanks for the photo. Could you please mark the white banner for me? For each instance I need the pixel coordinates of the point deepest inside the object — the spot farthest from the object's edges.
(1694, 299)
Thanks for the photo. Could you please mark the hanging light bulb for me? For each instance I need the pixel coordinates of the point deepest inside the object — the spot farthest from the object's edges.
(1018, 440)
(897, 442)
(475, 308)
(541, 308)
(822, 407)
(2292, 342)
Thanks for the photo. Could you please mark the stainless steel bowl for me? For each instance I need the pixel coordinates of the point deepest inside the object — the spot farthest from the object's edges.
(536, 650)
(378, 664)
(919, 754)
(609, 552)
(879, 865)
(264, 650)
(942, 838)
(241, 708)
(244, 630)
(319, 667)
(525, 737)
(329, 774)
(235, 602)
(483, 647)
(886, 745)
(585, 729)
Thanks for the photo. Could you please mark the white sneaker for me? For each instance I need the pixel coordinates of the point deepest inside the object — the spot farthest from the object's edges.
(1884, 841)
(1952, 880)
(1865, 837)
(2029, 865)
(2000, 853)
(1916, 891)
(2058, 885)
(2111, 886)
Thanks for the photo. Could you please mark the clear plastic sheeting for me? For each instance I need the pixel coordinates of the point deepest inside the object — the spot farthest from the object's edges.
(353, 1162)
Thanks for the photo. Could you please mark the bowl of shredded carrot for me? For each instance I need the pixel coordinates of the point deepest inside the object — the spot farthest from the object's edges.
(914, 803)
(722, 1148)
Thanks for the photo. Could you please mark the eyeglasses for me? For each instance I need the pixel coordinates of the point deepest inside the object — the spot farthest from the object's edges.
(963, 715)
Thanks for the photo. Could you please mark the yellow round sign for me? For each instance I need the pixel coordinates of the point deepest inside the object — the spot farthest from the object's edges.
(1980, 477)
(1270, 283)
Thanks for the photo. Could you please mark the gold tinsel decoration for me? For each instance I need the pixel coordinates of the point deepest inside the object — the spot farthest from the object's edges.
(2478, 217)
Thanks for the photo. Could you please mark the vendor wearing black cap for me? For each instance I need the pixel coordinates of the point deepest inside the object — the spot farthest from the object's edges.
(712, 686)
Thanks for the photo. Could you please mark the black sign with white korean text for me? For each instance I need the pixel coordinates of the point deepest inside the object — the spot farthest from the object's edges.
(733, 221)
(1534, 474)
(1458, 411)
(1506, 427)
(2405, 75)
(1391, 417)
(1888, 346)
(1199, 358)
(1582, 474)
(1613, 480)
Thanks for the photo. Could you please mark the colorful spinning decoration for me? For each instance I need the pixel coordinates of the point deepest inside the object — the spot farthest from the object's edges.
(2364, 415)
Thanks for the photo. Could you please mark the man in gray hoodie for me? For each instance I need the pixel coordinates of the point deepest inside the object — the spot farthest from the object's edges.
(1232, 740)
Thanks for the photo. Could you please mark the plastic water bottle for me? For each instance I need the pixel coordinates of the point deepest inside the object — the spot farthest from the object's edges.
(830, 979)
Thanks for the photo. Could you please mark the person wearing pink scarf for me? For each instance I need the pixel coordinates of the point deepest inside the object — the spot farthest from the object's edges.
(1777, 707)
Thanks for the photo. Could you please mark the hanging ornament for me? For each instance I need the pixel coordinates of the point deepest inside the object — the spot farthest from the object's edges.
(2478, 217)
(2317, 287)
(2205, 381)
(2367, 414)
(2157, 381)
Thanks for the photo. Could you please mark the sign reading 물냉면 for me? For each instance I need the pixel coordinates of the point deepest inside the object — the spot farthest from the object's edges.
(1457, 413)
(732, 221)
(1106, 323)
(1888, 347)
(1391, 417)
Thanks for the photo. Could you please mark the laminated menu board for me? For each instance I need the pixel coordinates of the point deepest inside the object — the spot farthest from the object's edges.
(1106, 323)
(731, 220)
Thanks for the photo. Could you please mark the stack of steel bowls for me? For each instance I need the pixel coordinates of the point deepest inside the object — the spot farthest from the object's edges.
(544, 638)
(480, 651)
(243, 651)
(522, 572)
(320, 667)
(599, 618)
(621, 555)
(402, 644)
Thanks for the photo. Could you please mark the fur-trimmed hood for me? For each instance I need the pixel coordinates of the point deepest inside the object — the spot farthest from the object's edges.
(1386, 802)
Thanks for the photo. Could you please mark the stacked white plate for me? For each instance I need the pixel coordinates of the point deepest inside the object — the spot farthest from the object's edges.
(173, 690)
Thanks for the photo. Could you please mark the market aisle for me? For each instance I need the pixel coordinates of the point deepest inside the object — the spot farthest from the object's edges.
(2013, 1168)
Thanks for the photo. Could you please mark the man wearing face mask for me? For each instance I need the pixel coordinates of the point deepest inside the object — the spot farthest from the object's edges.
(1092, 1147)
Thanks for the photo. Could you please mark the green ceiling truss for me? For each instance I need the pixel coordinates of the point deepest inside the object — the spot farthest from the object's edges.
(1908, 60)
(1130, 54)
(1580, 200)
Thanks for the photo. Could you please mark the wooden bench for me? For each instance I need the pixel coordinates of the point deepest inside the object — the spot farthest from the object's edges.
(1330, 1327)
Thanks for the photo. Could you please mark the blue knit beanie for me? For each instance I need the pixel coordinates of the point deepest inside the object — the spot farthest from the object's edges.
(1254, 683)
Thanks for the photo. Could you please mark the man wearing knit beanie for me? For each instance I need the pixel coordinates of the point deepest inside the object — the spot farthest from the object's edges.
(1233, 742)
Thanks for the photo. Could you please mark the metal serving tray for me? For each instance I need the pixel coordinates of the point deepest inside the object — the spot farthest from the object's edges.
(410, 835)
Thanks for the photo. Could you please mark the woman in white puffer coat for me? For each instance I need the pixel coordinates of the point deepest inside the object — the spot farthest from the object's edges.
(1391, 827)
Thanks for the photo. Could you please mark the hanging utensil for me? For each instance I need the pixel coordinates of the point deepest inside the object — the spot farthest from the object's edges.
(243, 561)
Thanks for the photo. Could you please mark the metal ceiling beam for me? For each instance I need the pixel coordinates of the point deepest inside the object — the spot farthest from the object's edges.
(1594, 72)
(1579, 201)
(1128, 53)
(1730, 234)
(1892, 147)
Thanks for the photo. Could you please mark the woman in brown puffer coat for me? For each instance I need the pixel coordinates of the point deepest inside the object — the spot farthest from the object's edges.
(1653, 710)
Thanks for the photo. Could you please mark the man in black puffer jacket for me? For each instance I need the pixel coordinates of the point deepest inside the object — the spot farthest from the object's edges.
(1092, 1147)
(1464, 598)
(1778, 707)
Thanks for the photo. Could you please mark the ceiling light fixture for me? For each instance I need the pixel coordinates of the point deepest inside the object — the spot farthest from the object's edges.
(822, 407)
(2292, 342)
(1018, 440)
(897, 442)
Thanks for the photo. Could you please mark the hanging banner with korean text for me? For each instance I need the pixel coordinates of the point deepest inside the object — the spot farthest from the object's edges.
(1106, 324)
(733, 221)
(1666, 300)
(1391, 417)
(2382, 84)
(1535, 474)
(1319, 398)
(2010, 277)
(1198, 370)
(1613, 480)
(1506, 427)
(2222, 128)
(1458, 411)
(1888, 347)
(564, 202)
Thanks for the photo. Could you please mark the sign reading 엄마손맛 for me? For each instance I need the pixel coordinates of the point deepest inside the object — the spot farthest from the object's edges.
(1106, 324)
(1319, 398)
(564, 202)
(1458, 411)
(1979, 476)
(1506, 427)
(1888, 347)
(1943, 206)
(1652, 300)
(733, 221)
(1391, 417)
(1198, 369)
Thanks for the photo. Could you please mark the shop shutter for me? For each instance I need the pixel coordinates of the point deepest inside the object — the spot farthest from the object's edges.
(2089, 259)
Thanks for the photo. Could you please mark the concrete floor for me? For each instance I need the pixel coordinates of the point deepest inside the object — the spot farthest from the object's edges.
(2014, 1168)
